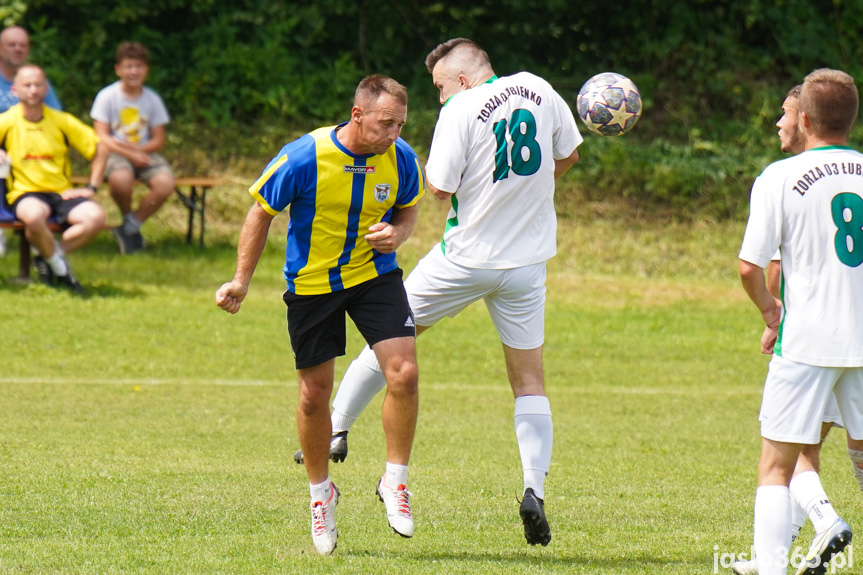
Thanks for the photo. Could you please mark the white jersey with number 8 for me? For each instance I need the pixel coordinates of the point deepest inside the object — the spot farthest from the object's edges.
(811, 207)
(501, 168)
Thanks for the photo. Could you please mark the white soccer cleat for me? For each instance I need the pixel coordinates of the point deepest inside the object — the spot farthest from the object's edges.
(826, 544)
(745, 567)
(324, 533)
(397, 502)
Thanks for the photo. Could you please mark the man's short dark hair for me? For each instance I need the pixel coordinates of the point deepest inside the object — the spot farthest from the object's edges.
(830, 99)
(443, 50)
(371, 87)
(132, 51)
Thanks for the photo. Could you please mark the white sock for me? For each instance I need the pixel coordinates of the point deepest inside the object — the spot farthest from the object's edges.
(798, 518)
(806, 489)
(362, 381)
(533, 431)
(396, 475)
(772, 528)
(131, 225)
(321, 491)
(57, 263)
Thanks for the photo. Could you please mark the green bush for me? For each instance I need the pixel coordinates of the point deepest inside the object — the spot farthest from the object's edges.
(712, 73)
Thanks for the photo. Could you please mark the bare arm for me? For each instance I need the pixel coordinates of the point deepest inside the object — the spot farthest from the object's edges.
(752, 278)
(387, 237)
(561, 166)
(97, 174)
(156, 141)
(134, 154)
(253, 238)
(439, 194)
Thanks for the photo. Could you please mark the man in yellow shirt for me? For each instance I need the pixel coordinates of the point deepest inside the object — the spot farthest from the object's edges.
(37, 141)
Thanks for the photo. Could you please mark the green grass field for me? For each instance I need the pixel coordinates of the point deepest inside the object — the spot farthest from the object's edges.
(146, 431)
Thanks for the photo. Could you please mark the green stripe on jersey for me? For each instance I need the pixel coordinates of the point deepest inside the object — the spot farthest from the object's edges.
(450, 223)
(777, 349)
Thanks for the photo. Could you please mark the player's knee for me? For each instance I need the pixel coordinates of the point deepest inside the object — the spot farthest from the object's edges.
(313, 398)
(402, 377)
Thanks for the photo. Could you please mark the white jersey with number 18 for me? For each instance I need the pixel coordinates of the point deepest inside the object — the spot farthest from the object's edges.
(810, 206)
(494, 146)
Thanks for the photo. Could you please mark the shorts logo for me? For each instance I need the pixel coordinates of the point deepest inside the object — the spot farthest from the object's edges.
(409, 322)
(382, 192)
(359, 169)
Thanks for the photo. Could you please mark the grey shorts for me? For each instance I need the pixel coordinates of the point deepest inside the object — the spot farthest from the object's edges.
(158, 165)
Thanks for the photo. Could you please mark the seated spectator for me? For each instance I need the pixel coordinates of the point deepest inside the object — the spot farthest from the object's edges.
(14, 50)
(37, 140)
(130, 119)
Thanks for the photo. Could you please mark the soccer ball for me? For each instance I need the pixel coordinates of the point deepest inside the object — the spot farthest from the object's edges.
(609, 104)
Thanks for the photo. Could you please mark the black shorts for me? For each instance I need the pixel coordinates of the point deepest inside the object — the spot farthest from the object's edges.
(316, 323)
(60, 208)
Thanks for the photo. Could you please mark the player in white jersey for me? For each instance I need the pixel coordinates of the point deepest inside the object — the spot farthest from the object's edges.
(498, 146)
(811, 207)
(807, 493)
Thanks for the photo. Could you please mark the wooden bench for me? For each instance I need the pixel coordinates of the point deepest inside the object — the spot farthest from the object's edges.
(195, 199)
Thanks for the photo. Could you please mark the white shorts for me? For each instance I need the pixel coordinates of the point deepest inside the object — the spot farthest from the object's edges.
(796, 396)
(831, 412)
(515, 298)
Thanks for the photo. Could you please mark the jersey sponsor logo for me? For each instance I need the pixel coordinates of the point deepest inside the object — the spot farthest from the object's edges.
(359, 169)
(382, 192)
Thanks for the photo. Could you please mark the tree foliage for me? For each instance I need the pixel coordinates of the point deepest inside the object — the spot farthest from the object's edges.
(695, 60)
(712, 72)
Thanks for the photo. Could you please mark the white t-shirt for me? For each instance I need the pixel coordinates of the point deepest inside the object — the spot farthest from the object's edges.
(130, 119)
(494, 146)
(810, 206)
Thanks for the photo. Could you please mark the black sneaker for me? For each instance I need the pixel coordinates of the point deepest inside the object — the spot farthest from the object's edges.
(69, 281)
(338, 449)
(532, 512)
(128, 243)
(43, 271)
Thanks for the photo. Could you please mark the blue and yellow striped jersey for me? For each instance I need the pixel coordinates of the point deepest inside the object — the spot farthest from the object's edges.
(334, 197)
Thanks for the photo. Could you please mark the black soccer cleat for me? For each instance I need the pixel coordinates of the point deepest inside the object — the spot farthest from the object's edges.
(338, 449)
(532, 512)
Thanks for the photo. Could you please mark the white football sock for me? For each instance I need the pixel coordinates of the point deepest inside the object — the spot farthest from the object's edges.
(806, 489)
(534, 433)
(362, 381)
(396, 475)
(772, 528)
(57, 263)
(321, 491)
(798, 518)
